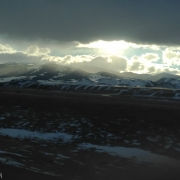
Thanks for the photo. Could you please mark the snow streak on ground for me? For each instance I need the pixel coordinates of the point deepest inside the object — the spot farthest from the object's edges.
(132, 153)
(22, 133)
(49, 132)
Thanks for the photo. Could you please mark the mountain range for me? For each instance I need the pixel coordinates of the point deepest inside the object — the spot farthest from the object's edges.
(13, 74)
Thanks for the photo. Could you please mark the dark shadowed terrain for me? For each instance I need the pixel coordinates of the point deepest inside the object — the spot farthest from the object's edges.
(59, 135)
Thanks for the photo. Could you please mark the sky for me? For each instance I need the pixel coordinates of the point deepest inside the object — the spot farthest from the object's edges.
(141, 36)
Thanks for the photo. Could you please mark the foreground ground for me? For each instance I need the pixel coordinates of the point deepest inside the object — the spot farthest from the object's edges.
(56, 135)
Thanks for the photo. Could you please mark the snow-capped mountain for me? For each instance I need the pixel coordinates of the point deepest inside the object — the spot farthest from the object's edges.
(52, 74)
(169, 83)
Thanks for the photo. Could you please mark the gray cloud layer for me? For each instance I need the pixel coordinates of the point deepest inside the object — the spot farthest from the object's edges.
(19, 57)
(141, 21)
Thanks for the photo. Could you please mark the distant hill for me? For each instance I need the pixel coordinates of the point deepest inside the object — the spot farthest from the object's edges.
(149, 76)
(15, 69)
(164, 75)
(137, 76)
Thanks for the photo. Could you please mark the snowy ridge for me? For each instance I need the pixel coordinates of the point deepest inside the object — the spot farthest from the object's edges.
(53, 76)
(105, 86)
(169, 83)
(96, 80)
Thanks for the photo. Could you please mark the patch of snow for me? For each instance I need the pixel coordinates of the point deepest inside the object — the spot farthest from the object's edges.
(167, 146)
(63, 87)
(86, 87)
(51, 83)
(177, 149)
(99, 88)
(21, 133)
(96, 77)
(108, 89)
(152, 139)
(132, 153)
(152, 94)
(78, 87)
(8, 79)
(31, 77)
(11, 162)
(49, 154)
(7, 114)
(177, 96)
(43, 74)
(121, 91)
(59, 75)
(136, 143)
(25, 123)
(30, 84)
(5, 152)
(33, 168)
(62, 156)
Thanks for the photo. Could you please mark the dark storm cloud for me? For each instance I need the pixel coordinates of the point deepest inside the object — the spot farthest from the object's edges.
(141, 21)
(19, 57)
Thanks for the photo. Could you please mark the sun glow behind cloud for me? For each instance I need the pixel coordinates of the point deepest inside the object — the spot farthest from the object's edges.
(141, 58)
(108, 48)
(115, 47)
(116, 56)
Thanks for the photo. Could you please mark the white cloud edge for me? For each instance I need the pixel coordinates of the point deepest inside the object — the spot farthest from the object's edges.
(147, 61)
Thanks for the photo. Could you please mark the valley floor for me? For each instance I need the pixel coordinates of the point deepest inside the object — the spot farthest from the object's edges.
(64, 135)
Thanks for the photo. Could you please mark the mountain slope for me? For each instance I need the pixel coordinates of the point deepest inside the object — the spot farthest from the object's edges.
(52, 74)
(169, 83)
(15, 69)
(137, 76)
(164, 75)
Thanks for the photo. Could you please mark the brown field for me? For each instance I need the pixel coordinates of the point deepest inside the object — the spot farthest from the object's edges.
(154, 124)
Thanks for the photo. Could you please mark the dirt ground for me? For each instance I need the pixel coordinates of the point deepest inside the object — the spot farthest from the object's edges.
(100, 122)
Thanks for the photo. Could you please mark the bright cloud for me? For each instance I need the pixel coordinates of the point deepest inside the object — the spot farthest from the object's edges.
(119, 63)
(116, 47)
(116, 56)
(110, 48)
(77, 59)
(113, 63)
(146, 58)
(171, 57)
(136, 66)
(36, 51)
(6, 49)
(51, 58)
(150, 57)
(146, 63)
